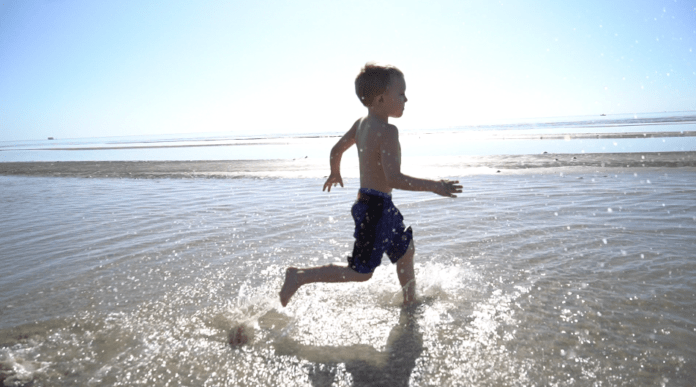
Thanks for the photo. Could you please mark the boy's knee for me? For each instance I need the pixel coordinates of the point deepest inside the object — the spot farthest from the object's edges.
(411, 248)
(407, 258)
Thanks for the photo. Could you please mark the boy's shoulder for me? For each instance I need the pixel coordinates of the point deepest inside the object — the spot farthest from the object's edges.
(373, 133)
(370, 124)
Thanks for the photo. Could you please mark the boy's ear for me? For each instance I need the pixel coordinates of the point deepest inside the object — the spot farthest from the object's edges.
(381, 99)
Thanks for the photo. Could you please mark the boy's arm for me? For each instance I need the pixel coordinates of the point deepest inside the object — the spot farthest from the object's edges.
(341, 146)
(391, 163)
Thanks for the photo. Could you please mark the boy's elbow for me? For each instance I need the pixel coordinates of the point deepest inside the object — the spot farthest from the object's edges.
(338, 149)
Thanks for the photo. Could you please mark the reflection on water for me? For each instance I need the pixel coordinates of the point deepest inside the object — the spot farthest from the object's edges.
(670, 132)
(366, 365)
(442, 144)
(561, 279)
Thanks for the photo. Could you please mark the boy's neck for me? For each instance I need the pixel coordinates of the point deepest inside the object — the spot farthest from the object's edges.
(378, 115)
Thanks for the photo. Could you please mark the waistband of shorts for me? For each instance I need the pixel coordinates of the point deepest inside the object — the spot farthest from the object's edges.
(374, 192)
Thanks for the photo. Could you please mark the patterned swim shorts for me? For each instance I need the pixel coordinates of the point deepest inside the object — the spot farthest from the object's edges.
(379, 229)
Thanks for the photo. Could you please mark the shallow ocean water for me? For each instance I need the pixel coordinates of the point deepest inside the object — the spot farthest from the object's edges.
(556, 279)
(621, 133)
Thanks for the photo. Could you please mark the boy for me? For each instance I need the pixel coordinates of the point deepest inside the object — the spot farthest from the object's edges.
(379, 226)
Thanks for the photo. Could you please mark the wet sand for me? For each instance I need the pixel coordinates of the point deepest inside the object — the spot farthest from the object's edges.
(455, 165)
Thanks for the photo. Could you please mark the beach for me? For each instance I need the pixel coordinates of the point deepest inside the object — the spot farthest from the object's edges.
(315, 167)
(566, 261)
(549, 269)
(167, 169)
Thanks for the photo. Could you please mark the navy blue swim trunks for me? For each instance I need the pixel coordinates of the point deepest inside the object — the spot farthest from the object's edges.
(379, 229)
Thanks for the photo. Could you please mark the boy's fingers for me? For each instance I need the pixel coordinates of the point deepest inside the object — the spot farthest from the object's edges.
(451, 185)
(331, 183)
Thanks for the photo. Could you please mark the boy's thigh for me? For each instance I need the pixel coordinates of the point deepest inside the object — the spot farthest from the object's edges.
(401, 244)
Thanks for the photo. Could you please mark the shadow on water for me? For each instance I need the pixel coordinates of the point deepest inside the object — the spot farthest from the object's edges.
(368, 366)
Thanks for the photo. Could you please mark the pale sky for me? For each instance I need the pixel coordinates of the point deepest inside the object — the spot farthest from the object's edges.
(73, 69)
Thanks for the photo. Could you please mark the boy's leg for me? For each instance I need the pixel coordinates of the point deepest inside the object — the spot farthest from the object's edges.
(406, 274)
(294, 278)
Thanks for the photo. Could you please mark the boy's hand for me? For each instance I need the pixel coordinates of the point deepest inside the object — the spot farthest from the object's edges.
(332, 181)
(448, 188)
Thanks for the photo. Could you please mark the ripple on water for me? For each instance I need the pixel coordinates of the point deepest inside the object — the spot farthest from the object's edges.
(524, 280)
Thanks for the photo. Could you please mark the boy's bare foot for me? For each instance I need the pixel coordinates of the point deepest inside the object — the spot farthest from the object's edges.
(290, 285)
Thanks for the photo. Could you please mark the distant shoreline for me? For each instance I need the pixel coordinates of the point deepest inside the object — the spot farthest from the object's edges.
(581, 136)
(286, 140)
(539, 163)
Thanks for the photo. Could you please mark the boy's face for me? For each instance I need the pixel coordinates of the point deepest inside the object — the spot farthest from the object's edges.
(395, 97)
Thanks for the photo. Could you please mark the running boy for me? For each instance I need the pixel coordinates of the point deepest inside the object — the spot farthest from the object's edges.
(379, 226)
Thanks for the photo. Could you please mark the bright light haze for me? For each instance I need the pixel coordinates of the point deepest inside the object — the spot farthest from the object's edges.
(111, 68)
